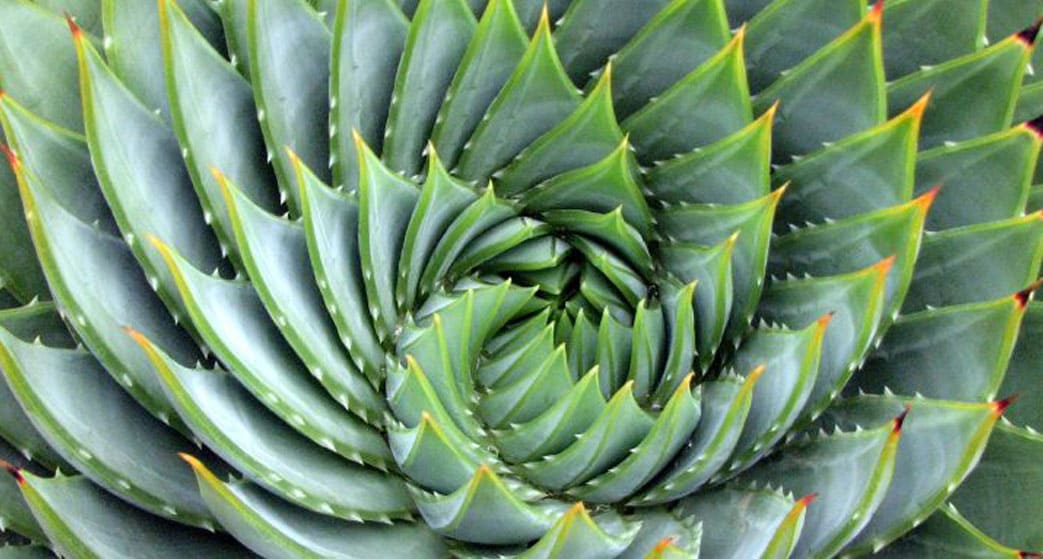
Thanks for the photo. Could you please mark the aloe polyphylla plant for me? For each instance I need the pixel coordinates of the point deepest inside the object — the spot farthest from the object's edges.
(515, 278)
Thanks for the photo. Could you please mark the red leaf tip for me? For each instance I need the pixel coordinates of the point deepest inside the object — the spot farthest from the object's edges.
(1025, 554)
(14, 471)
(12, 157)
(1028, 34)
(1022, 298)
(1000, 406)
(76, 31)
(1036, 126)
(896, 425)
(807, 500)
(877, 13)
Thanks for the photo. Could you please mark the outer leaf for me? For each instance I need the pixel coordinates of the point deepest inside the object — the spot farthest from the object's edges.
(1023, 371)
(368, 39)
(833, 93)
(290, 69)
(435, 45)
(213, 112)
(987, 79)
(275, 255)
(272, 527)
(933, 32)
(82, 520)
(1003, 496)
(714, 95)
(591, 30)
(738, 522)
(948, 534)
(951, 266)
(15, 515)
(576, 534)
(233, 321)
(950, 435)
(152, 199)
(785, 32)
(256, 442)
(537, 96)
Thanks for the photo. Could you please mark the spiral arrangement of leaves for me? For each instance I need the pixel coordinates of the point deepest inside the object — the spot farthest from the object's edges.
(573, 279)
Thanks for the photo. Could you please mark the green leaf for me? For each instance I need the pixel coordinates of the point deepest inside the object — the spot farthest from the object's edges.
(233, 322)
(118, 445)
(949, 435)
(671, 430)
(517, 400)
(673, 43)
(136, 58)
(554, 429)
(233, 423)
(25, 552)
(212, 109)
(275, 528)
(60, 159)
(648, 347)
(1010, 16)
(983, 179)
(82, 520)
(786, 32)
(17, 430)
(86, 13)
(791, 359)
(100, 288)
(709, 224)
(15, 515)
(711, 270)
(953, 353)
(442, 198)
(664, 535)
(37, 67)
(435, 456)
(577, 535)
(856, 242)
(289, 61)
(1003, 496)
(948, 534)
(848, 472)
(680, 337)
(976, 263)
(498, 45)
(368, 39)
(386, 201)
(153, 199)
(38, 321)
(620, 426)
(725, 405)
(482, 214)
(592, 30)
(739, 522)
(868, 171)
(536, 97)
(330, 226)
(856, 301)
(732, 170)
(436, 43)
(986, 79)
(715, 98)
(601, 187)
(586, 136)
(1023, 371)
(628, 282)
(275, 255)
(610, 229)
(924, 33)
(836, 92)
(508, 240)
(487, 511)
(234, 19)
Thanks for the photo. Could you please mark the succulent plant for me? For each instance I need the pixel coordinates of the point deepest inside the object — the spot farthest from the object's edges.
(562, 279)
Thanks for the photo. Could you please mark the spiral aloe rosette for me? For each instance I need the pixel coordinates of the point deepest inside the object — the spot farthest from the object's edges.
(665, 278)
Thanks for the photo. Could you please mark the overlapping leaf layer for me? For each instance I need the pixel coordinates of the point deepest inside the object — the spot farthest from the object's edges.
(507, 278)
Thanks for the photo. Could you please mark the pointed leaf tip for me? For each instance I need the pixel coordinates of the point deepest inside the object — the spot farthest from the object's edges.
(876, 14)
(1028, 35)
(885, 265)
(664, 544)
(916, 110)
(896, 425)
(1000, 406)
(77, 33)
(1036, 126)
(14, 471)
(12, 157)
(1025, 554)
(927, 198)
(825, 319)
(1023, 297)
(806, 500)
